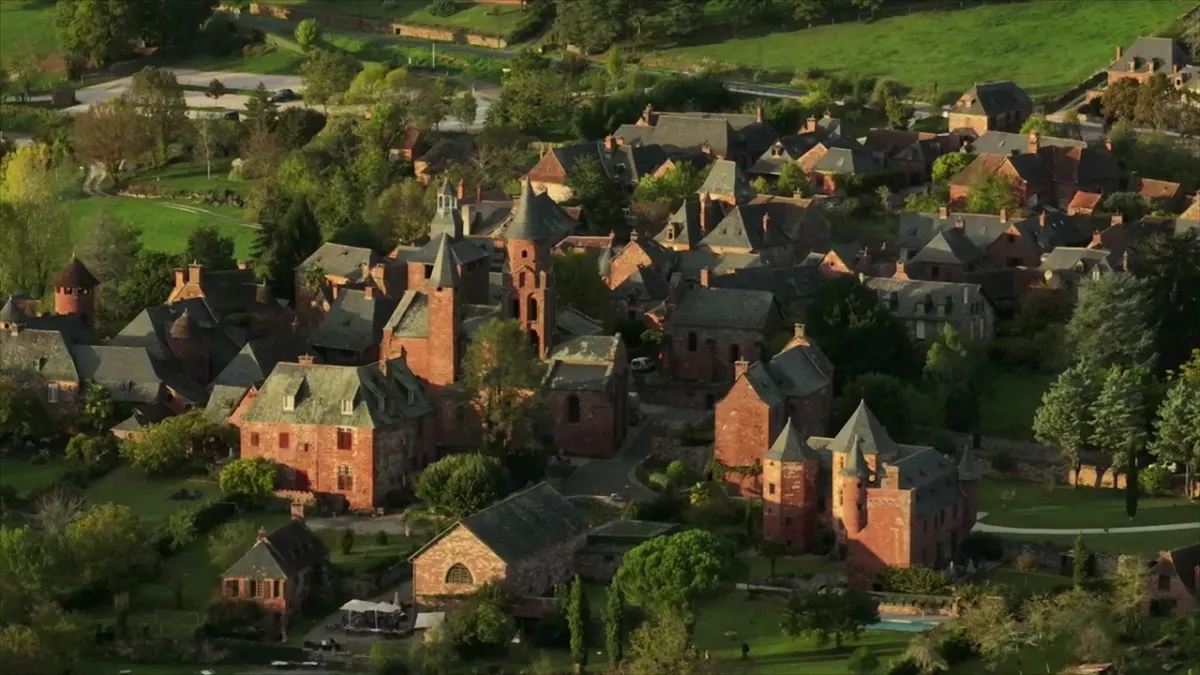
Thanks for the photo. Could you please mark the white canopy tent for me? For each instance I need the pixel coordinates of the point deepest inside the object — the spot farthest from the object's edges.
(376, 608)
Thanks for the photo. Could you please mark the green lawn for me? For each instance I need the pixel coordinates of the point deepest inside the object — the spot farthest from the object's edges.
(278, 56)
(759, 567)
(147, 496)
(487, 18)
(366, 551)
(193, 176)
(162, 228)
(1037, 581)
(1063, 506)
(24, 477)
(955, 48)
(1010, 404)
(27, 25)
(1142, 543)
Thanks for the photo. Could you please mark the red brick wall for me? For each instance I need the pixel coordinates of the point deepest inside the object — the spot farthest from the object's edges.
(886, 539)
(1001, 250)
(530, 261)
(79, 302)
(710, 362)
(790, 513)
(745, 427)
(442, 349)
(460, 546)
(415, 352)
(978, 123)
(595, 434)
(626, 263)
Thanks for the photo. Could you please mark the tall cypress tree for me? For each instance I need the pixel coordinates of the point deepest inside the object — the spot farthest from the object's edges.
(279, 247)
(1121, 419)
(1079, 569)
(577, 620)
(614, 624)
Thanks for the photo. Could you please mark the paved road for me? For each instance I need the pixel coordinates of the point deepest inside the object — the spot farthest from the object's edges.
(606, 477)
(1000, 529)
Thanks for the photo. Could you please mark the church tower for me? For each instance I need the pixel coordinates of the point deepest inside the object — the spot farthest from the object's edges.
(444, 334)
(75, 292)
(533, 226)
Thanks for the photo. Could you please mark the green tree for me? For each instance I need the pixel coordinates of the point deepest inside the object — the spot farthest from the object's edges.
(837, 614)
(22, 413)
(578, 285)
(98, 403)
(207, 247)
(897, 113)
(993, 628)
(682, 17)
(216, 89)
(864, 661)
(1120, 100)
(326, 74)
(1112, 304)
(1131, 594)
(858, 333)
(670, 574)
(1156, 102)
(482, 627)
(28, 560)
(577, 621)
(958, 371)
(671, 188)
(991, 194)
(808, 12)
(253, 476)
(1066, 418)
(403, 211)
(663, 646)
(33, 209)
(599, 196)
(1040, 125)
(591, 25)
(228, 542)
(923, 652)
(533, 97)
(1121, 417)
(167, 23)
(308, 34)
(432, 102)
(1079, 562)
(950, 165)
(792, 181)
(502, 376)
(158, 97)
(147, 284)
(110, 546)
(96, 30)
(1170, 267)
(614, 623)
(176, 442)
(1177, 427)
(109, 133)
(463, 108)
(346, 541)
(91, 450)
(261, 111)
(459, 485)
(280, 247)
(51, 642)
(370, 85)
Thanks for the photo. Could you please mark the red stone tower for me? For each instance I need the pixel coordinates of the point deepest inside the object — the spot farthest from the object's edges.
(75, 292)
(444, 315)
(854, 479)
(528, 235)
(790, 494)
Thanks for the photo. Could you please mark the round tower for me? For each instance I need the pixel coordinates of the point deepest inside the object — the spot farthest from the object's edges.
(854, 479)
(185, 340)
(75, 292)
(791, 491)
(536, 221)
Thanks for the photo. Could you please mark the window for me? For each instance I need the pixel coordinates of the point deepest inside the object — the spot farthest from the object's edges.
(289, 403)
(934, 272)
(52, 392)
(428, 271)
(254, 439)
(691, 342)
(285, 441)
(345, 438)
(770, 488)
(348, 406)
(670, 233)
(787, 520)
(524, 254)
(573, 409)
(920, 330)
(1164, 582)
(532, 308)
(252, 588)
(734, 353)
(278, 590)
(345, 479)
(459, 574)
(232, 588)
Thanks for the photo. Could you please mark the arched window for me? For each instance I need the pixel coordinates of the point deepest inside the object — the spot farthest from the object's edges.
(691, 342)
(532, 309)
(459, 574)
(572, 408)
(734, 353)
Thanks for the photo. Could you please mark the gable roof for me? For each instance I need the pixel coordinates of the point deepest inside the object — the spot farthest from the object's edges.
(993, 98)
(11, 312)
(1151, 188)
(524, 524)
(250, 368)
(74, 275)
(724, 308)
(411, 317)
(283, 553)
(795, 372)
(379, 394)
(726, 179)
(846, 160)
(1006, 143)
(127, 372)
(948, 247)
(36, 354)
(342, 261)
(234, 291)
(445, 272)
(354, 322)
(789, 447)
(916, 299)
(151, 330)
(1162, 52)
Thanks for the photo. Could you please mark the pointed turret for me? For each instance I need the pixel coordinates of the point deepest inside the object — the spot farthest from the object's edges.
(865, 426)
(11, 313)
(536, 217)
(444, 273)
(967, 471)
(789, 447)
(856, 463)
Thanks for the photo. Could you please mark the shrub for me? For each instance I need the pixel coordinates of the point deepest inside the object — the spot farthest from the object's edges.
(254, 477)
(346, 541)
(916, 579)
(443, 8)
(1155, 480)
(381, 538)
(982, 546)
(1026, 562)
(91, 450)
(1003, 461)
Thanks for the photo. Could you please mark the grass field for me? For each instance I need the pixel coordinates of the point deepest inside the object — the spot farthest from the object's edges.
(483, 17)
(24, 477)
(145, 495)
(954, 49)
(1037, 581)
(27, 25)
(162, 228)
(1142, 543)
(759, 567)
(1063, 506)
(1010, 404)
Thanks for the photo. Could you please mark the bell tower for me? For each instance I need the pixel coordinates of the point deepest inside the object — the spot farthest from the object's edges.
(75, 292)
(531, 298)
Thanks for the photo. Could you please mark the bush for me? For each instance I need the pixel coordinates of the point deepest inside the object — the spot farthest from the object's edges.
(442, 8)
(1026, 562)
(1003, 461)
(982, 546)
(229, 617)
(1155, 480)
(253, 477)
(917, 579)
(92, 450)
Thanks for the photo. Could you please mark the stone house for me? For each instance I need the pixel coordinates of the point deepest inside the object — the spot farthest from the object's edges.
(352, 432)
(187, 341)
(789, 149)
(250, 369)
(75, 292)
(889, 504)
(350, 333)
(794, 388)
(926, 306)
(1148, 56)
(340, 267)
(637, 275)
(588, 393)
(1031, 184)
(1068, 266)
(835, 165)
(624, 164)
(910, 152)
(732, 136)
(1043, 170)
(1174, 580)
(279, 572)
(527, 542)
(606, 546)
(1163, 194)
(1001, 106)
(233, 296)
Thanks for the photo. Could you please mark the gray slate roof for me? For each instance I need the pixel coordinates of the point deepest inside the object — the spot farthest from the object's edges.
(525, 524)
(865, 426)
(150, 330)
(11, 312)
(915, 299)
(1077, 259)
(726, 179)
(411, 316)
(249, 368)
(789, 447)
(561, 376)
(1164, 52)
(948, 247)
(354, 321)
(588, 349)
(380, 395)
(993, 98)
(342, 261)
(537, 217)
(848, 161)
(36, 355)
(462, 251)
(127, 372)
(74, 275)
(445, 271)
(1006, 143)
(146, 416)
(282, 554)
(724, 308)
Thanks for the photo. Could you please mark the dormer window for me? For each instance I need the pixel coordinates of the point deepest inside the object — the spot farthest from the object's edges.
(348, 406)
(289, 403)
(52, 392)
(670, 233)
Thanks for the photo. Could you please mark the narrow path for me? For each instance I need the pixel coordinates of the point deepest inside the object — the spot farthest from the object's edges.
(1001, 529)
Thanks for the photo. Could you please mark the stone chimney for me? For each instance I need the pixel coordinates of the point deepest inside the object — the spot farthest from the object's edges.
(740, 367)
(810, 124)
(705, 277)
(243, 265)
(1042, 220)
(798, 332)
(1116, 219)
(758, 114)
(1132, 65)
(180, 279)
(960, 224)
(647, 113)
(634, 235)
(943, 212)
(1120, 52)
(369, 292)
(1035, 142)
(461, 191)
(704, 212)
(901, 260)
(306, 359)
(1108, 145)
(298, 511)
(195, 273)
(1004, 215)
(1175, 69)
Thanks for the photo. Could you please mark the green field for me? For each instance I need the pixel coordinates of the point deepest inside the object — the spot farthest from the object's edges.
(148, 497)
(24, 477)
(1011, 402)
(1142, 543)
(1062, 506)
(27, 25)
(496, 19)
(1045, 47)
(162, 228)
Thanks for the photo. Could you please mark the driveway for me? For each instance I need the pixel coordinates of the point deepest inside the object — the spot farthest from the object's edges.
(99, 93)
(604, 477)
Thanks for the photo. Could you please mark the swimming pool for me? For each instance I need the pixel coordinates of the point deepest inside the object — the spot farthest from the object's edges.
(903, 626)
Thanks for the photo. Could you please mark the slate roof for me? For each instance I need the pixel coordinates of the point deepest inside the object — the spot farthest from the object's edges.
(570, 322)
(411, 316)
(795, 372)
(354, 321)
(562, 376)
(588, 349)
(74, 275)
(932, 477)
(525, 524)
(792, 286)
(144, 416)
(846, 161)
(967, 470)
(150, 330)
(687, 221)
(633, 163)
(864, 426)
(1006, 143)
(127, 372)
(856, 464)
(1185, 560)
(726, 134)
(787, 149)
(789, 447)
(727, 180)
(948, 247)
(536, 217)
(993, 98)
(380, 395)
(916, 299)
(445, 270)
(234, 292)
(283, 553)
(37, 355)
(342, 261)
(11, 312)
(724, 308)
(644, 284)
(1076, 259)
(1164, 53)
(249, 368)
(1078, 165)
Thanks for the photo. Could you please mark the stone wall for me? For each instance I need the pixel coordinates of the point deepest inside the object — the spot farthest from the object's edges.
(458, 547)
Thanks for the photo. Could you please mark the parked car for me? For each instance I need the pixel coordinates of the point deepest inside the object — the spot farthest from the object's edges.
(232, 116)
(642, 364)
(283, 96)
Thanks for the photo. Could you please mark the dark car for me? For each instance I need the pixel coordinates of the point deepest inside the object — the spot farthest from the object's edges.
(232, 116)
(283, 96)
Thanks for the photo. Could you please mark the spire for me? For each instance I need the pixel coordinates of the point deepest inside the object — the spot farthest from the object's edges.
(447, 198)
(536, 217)
(865, 426)
(11, 312)
(856, 464)
(967, 471)
(444, 274)
(74, 275)
(788, 446)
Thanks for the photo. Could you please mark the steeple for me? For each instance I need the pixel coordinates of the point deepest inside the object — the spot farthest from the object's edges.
(865, 426)
(11, 313)
(536, 217)
(856, 464)
(789, 447)
(444, 273)
(447, 198)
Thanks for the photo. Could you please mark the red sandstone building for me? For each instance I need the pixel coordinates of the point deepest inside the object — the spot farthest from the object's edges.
(279, 572)
(990, 106)
(889, 504)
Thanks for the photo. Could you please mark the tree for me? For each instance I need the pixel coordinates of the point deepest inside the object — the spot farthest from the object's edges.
(989, 625)
(207, 131)
(864, 661)
(158, 97)
(991, 194)
(167, 23)
(280, 247)
(253, 476)
(110, 546)
(578, 285)
(98, 403)
(897, 113)
(370, 85)
(459, 485)
(858, 333)
(577, 620)
(261, 111)
(772, 550)
(175, 442)
(1066, 417)
(1170, 267)
(958, 370)
(533, 97)
(326, 74)
(206, 246)
(808, 12)
(1131, 593)
(22, 413)
(1079, 562)
(228, 542)
(682, 17)
(482, 626)
(308, 34)
(91, 450)
(262, 152)
(110, 132)
(1120, 100)
(1156, 102)
(837, 614)
(670, 574)
(216, 89)
(96, 30)
(599, 196)
(463, 108)
(147, 284)
(1112, 304)
(32, 208)
(502, 376)
(1040, 125)
(346, 541)
(51, 642)
(663, 646)
(924, 653)
(432, 102)
(592, 25)
(614, 623)
(1177, 427)
(295, 127)
(1121, 415)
